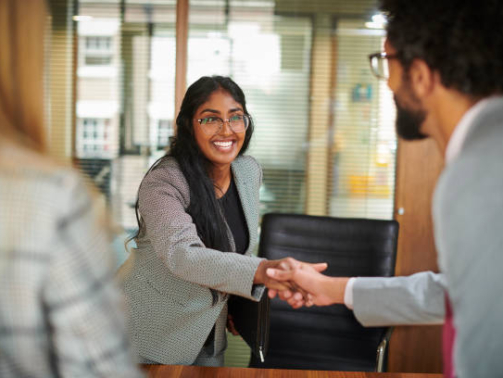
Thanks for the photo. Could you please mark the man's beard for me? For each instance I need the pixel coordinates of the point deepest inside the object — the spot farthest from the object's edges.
(408, 122)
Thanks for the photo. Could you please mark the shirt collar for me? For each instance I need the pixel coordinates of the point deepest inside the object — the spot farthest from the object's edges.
(461, 130)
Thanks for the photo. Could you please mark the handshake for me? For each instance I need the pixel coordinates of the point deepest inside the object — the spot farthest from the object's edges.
(300, 283)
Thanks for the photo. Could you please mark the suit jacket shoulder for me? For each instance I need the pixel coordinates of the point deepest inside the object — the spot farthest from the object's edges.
(168, 176)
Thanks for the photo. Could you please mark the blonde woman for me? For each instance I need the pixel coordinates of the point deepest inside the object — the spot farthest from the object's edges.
(60, 314)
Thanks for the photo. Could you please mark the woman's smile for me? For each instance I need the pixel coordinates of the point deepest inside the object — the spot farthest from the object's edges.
(224, 146)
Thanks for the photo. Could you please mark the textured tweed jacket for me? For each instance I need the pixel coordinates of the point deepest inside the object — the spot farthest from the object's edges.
(60, 313)
(167, 279)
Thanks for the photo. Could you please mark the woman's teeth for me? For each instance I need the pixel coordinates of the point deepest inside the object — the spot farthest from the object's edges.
(223, 145)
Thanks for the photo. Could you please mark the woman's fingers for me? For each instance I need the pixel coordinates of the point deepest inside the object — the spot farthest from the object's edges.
(279, 275)
(299, 292)
(272, 293)
(277, 285)
(230, 326)
(285, 295)
(286, 276)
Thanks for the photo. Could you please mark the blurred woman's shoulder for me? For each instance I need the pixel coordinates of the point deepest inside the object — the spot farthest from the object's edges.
(18, 162)
(34, 180)
(40, 198)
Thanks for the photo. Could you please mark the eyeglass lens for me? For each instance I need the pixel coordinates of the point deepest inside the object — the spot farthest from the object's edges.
(380, 67)
(212, 125)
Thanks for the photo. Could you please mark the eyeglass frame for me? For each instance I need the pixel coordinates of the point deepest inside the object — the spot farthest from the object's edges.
(380, 55)
(226, 120)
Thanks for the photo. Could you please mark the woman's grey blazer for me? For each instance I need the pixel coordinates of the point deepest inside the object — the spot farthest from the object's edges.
(167, 279)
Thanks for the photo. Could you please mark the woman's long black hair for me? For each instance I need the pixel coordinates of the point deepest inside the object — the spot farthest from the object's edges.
(204, 207)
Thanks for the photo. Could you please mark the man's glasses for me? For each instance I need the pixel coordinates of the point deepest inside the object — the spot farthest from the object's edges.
(379, 64)
(212, 125)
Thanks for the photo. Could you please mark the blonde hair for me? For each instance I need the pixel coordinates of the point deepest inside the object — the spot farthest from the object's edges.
(22, 34)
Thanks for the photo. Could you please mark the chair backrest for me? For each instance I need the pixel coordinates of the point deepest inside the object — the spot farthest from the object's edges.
(326, 338)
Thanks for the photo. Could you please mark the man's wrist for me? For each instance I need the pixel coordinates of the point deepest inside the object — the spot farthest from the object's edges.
(348, 293)
(337, 289)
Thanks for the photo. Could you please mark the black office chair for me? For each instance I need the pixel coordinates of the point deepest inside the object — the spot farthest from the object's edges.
(327, 338)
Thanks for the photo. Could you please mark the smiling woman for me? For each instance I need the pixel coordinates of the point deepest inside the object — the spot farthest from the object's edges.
(220, 140)
(194, 204)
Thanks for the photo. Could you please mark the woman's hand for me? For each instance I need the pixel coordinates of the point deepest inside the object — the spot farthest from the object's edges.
(230, 325)
(262, 278)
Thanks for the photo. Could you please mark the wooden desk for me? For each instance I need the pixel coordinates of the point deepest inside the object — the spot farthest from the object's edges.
(178, 371)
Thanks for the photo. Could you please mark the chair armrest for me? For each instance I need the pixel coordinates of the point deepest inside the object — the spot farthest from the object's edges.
(381, 350)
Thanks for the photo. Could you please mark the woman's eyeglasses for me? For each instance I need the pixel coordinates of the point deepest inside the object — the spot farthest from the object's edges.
(212, 125)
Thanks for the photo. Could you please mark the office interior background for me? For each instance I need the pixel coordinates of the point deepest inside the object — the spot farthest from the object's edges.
(324, 126)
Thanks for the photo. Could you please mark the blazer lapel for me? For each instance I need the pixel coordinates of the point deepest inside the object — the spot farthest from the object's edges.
(244, 198)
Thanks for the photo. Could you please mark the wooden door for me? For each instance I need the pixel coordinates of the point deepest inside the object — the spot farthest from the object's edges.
(416, 349)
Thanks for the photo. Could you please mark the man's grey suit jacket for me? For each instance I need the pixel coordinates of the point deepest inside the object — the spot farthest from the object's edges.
(468, 221)
(167, 279)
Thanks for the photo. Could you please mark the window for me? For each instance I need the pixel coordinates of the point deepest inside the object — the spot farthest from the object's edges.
(98, 60)
(98, 51)
(363, 147)
(98, 44)
(92, 138)
(164, 131)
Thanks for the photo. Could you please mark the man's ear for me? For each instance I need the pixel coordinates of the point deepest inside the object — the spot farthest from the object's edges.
(422, 78)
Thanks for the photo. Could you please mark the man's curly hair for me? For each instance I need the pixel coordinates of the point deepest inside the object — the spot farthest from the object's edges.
(461, 39)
